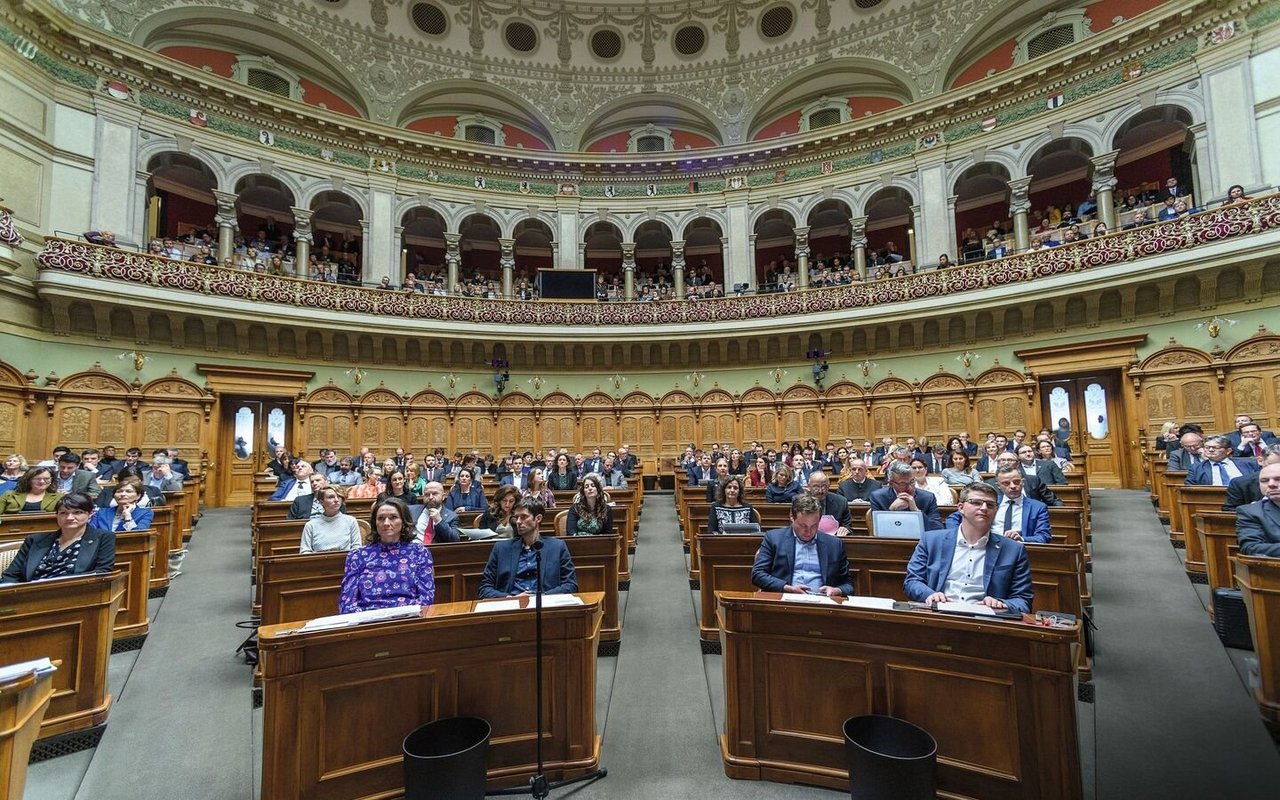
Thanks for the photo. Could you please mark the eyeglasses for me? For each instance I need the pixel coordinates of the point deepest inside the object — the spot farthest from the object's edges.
(983, 503)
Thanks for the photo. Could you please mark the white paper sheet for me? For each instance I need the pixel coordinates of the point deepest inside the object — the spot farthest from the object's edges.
(812, 599)
(977, 609)
(516, 603)
(39, 666)
(362, 618)
(874, 603)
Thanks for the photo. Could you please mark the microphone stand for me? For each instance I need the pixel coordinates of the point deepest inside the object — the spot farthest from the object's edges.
(539, 787)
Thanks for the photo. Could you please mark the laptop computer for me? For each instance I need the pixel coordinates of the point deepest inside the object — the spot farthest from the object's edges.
(897, 524)
(740, 528)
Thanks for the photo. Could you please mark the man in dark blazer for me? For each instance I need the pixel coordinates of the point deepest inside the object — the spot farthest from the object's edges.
(798, 559)
(901, 495)
(280, 463)
(1006, 573)
(431, 469)
(1187, 454)
(1258, 524)
(1251, 441)
(306, 506)
(512, 566)
(858, 489)
(1245, 490)
(937, 460)
(1047, 471)
(68, 477)
(1218, 468)
(833, 504)
(515, 475)
(701, 474)
(436, 524)
(1032, 486)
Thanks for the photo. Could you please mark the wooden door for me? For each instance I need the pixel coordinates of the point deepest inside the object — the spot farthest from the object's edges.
(249, 432)
(1092, 408)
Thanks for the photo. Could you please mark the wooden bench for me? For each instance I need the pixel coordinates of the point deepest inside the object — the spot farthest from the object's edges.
(1215, 533)
(1259, 580)
(303, 586)
(68, 620)
(1192, 500)
(878, 568)
(23, 702)
(1170, 483)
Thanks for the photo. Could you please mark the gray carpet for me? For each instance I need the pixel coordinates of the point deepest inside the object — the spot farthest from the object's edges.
(1172, 719)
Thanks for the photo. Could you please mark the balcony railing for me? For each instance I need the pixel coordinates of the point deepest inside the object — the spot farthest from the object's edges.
(1253, 217)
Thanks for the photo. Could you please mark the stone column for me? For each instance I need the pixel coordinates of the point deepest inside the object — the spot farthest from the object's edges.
(628, 271)
(1203, 160)
(302, 238)
(802, 257)
(677, 267)
(226, 221)
(1019, 205)
(567, 209)
(1227, 77)
(1104, 181)
(507, 260)
(858, 242)
(751, 255)
(738, 247)
(452, 259)
(118, 199)
(912, 251)
(366, 249)
(403, 256)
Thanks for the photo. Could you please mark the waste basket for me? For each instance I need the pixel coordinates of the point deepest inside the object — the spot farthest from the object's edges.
(445, 760)
(889, 759)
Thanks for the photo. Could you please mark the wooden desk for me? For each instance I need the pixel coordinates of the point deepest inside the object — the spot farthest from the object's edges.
(66, 619)
(23, 702)
(794, 673)
(338, 704)
(1259, 579)
(1169, 483)
(299, 587)
(1215, 532)
(1193, 500)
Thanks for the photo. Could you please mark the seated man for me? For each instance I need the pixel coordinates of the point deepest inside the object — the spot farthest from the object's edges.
(901, 495)
(69, 477)
(833, 504)
(306, 506)
(1246, 489)
(702, 473)
(1252, 441)
(968, 564)
(161, 475)
(1218, 468)
(289, 488)
(1238, 434)
(436, 523)
(1032, 485)
(515, 475)
(1187, 454)
(512, 568)
(798, 559)
(1023, 519)
(857, 490)
(1258, 524)
(346, 475)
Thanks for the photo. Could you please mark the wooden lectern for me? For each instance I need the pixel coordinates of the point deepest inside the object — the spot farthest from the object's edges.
(1259, 580)
(998, 696)
(338, 703)
(23, 701)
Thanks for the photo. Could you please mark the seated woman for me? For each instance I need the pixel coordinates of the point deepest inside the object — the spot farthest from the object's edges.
(590, 514)
(1236, 196)
(961, 472)
(372, 487)
(1045, 451)
(512, 569)
(332, 530)
(15, 466)
(32, 494)
(729, 508)
(391, 569)
(782, 489)
(498, 517)
(934, 484)
(466, 494)
(128, 514)
(536, 487)
(73, 549)
(150, 498)
(737, 464)
(398, 486)
(759, 473)
(562, 475)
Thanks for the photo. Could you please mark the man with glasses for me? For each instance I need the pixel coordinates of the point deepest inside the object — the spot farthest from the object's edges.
(1218, 468)
(833, 505)
(857, 489)
(968, 564)
(901, 495)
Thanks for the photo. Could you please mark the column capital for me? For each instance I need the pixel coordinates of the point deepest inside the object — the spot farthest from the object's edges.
(1020, 195)
(452, 239)
(951, 202)
(226, 202)
(628, 255)
(1104, 171)
(802, 241)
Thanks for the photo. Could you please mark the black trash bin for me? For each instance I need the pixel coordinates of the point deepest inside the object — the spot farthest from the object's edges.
(445, 760)
(889, 759)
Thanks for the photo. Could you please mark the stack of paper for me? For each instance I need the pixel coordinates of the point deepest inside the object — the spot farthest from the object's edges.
(815, 599)
(363, 617)
(40, 666)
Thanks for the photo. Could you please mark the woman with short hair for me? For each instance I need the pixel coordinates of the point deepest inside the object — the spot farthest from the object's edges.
(128, 514)
(466, 494)
(331, 529)
(73, 549)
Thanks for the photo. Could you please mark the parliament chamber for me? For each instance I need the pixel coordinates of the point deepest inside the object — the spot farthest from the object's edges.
(638, 232)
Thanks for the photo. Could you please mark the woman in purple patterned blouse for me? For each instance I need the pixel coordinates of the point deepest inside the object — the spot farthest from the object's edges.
(391, 569)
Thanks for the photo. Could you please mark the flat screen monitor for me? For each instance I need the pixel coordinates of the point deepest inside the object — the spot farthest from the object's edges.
(567, 284)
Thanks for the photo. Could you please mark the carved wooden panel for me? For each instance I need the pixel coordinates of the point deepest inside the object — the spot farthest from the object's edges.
(317, 432)
(933, 424)
(524, 437)
(791, 425)
(709, 434)
(881, 421)
(646, 440)
(9, 416)
(684, 428)
(1197, 400)
(856, 422)
(835, 423)
(957, 417)
(609, 433)
(568, 434)
(809, 421)
(155, 429)
(629, 429)
(464, 433)
(484, 433)
(1015, 412)
(987, 416)
(340, 435)
(904, 420)
(418, 436)
(590, 432)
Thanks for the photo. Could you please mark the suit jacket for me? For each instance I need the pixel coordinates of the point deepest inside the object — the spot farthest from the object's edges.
(1241, 492)
(1034, 518)
(105, 519)
(12, 502)
(1246, 451)
(852, 490)
(1181, 459)
(881, 499)
(937, 463)
(696, 474)
(835, 505)
(301, 507)
(1032, 487)
(1202, 474)
(1257, 529)
(1006, 570)
(281, 470)
(776, 558)
(510, 480)
(435, 474)
(595, 464)
(1049, 473)
(446, 530)
(499, 579)
(1267, 438)
(97, 554)
(627, 463)
(985, 464)
(83, 481)
(971, 449)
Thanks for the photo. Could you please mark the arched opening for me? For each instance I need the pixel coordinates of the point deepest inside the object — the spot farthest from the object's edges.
(889, 225)
(179, 189)
(480, 272)
(264, 214)
(603, 253)
(335, 223)
(1156, 147)
(424, 245)
(533, 251)
(653, 261)
(1061, 179)
(775, 265)
(982, 207)
(704, 258)
(830, 262)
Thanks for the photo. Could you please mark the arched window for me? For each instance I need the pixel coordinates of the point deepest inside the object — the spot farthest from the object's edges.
(1053, 31)
(650, 139)
(479, 128)
(823, 113)
(265, 74)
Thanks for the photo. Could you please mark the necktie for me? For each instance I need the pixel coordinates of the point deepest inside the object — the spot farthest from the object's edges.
(1008, 516)
(1257, 450)
(430, 532)
(1222, 473)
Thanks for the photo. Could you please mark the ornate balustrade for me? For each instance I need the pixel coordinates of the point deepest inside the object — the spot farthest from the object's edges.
(1206, 227)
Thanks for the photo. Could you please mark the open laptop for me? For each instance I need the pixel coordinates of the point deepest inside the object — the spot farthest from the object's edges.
(740, 528)
(897, 524)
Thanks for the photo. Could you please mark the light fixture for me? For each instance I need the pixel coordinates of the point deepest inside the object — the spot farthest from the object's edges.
(968, 358)
(358, 374)
(695, 378)
(451, 379)
(866, 367)
(536, 382)
(1214, 325)
(140, 359)
(778, 374)
(617, 380)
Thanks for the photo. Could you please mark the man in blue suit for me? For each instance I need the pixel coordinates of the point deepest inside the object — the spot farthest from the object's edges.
(901, 495)
(1217, 467)
(798, 559)
(516, 476)
(968, 564)
(1239, 434)
(513, 564)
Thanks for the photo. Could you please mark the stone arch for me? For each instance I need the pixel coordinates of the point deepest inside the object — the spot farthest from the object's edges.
(159, 146)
